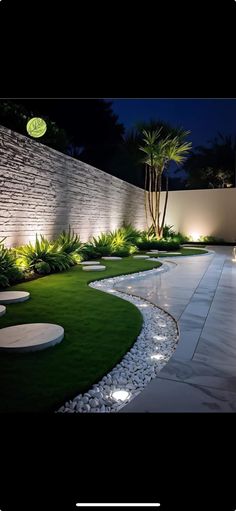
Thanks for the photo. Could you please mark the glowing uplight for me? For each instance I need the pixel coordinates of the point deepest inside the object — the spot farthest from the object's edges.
(143, 305)
(157, 357)
(195, 236)
(120, 395)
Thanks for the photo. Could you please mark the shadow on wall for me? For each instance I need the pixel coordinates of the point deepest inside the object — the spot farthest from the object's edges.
(62, 203)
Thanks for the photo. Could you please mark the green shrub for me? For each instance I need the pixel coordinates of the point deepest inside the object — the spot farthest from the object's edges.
(15, 275)
(42, 250)
(168, 232)
(158, 245)
(68, 242)
(8, 266)
(42, 268)
(4, 282)
(122, 252)
(102, 244)
(129, 234)
(89, 252)
(211, 239)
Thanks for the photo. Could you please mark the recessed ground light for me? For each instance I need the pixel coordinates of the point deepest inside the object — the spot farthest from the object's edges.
(120, 395)
(157, 357)
(159, 337)
(143, 305)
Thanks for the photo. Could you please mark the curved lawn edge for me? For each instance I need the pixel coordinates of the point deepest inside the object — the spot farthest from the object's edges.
(143, 361)
(99, 329)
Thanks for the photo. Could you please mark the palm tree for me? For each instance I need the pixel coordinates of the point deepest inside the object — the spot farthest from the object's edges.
(159, 153)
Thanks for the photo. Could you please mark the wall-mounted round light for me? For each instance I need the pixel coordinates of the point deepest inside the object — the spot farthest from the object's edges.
(36, 127)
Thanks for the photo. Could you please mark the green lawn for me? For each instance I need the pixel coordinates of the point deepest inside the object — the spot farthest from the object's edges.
(184, 251)
(99, 329)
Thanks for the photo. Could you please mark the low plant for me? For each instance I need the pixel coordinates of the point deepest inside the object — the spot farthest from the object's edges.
(8, 266)
(68, 242)
(89, 252)
(149, 244)
(4, 282)
(210, 239)
(102, 244)
(42, 250)
(42, 268)
(130, 234)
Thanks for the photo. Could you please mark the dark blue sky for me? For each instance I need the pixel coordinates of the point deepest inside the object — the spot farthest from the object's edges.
(204, 117)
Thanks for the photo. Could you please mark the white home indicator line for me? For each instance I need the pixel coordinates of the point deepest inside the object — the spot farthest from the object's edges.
(157, 504)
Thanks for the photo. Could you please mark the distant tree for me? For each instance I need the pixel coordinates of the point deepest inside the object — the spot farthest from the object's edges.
(15, 117)
(212, 166)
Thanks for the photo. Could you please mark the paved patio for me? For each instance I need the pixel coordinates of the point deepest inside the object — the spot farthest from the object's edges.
(200, 292)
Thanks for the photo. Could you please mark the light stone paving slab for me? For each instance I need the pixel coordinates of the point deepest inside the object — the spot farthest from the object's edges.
(13, 296)
(30, 337)
(2, 310)
(200, 376)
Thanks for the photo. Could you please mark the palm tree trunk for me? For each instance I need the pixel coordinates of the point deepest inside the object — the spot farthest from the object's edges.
(165, 205)
(145, 195)
(158, 203)
(150, 203)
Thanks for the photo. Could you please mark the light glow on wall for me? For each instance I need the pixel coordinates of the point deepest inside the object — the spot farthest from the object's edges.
(195, 236)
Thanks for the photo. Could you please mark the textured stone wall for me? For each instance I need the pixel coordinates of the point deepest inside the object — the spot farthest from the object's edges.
(44, 191)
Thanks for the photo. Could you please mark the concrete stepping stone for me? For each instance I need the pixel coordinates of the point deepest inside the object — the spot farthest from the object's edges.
(94, 268)
(88, 263)
(141, 257)
(112, 258)
(2, 310)
(30, 337)
(13, 296)
(152, 252)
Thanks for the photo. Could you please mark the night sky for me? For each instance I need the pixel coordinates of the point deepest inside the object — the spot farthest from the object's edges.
(204, 117)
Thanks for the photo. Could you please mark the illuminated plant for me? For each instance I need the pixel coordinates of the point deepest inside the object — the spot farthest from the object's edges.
(159, 153)
(42, 250)
(9, 271)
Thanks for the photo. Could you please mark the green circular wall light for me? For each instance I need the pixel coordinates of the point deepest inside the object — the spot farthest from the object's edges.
(36, 127)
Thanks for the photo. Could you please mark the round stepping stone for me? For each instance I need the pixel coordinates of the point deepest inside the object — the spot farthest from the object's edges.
(30, 337)
(110, 258)
(2, 310)
(94, 268)
(88, 263)
(13, 296)
(141, 257)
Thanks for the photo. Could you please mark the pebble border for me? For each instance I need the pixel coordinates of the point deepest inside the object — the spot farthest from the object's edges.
(149, 354)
